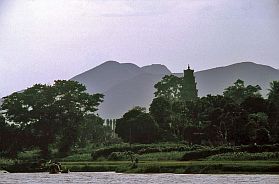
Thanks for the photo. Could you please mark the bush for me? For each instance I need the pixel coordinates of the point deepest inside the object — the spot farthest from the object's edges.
(6, 162)
(198, 154)
(115, 156)
(242, 156)
(149, 150)
(105, 152)
(259, 148)
(29, 155)
(203, 153)
(140, 149)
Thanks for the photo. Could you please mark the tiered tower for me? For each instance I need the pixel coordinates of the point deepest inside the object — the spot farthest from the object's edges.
(189, 88)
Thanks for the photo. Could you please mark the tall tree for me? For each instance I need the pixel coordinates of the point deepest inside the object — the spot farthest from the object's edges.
(93, 130)
(169, 87)
(255, 104)
(51, 111)
(160, 109)
(137, 126)
(273, 95)
(213, 110)
(239, 92)
(273, 112)
(33, 107)
(72, 103)
(186, 119)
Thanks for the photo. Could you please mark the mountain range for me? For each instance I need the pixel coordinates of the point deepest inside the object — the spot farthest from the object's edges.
(126, 85)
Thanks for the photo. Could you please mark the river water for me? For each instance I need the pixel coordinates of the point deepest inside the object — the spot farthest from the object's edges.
(115, 178)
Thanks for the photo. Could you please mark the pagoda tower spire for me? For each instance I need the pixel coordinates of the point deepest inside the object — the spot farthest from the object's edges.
(189, 87)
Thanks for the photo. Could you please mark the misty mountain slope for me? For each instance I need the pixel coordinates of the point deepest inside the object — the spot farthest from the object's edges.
(214, 81)
(138, 91)
(127, 85)
(106, 75)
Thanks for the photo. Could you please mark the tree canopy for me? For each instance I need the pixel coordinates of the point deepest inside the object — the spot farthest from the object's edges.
(137, 126)
(51, 111)
(169, 87)
(239, 92)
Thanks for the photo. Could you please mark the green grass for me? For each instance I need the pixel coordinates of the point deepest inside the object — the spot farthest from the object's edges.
(177, 166)
(207, 167)
(78, 157)
(161, 156)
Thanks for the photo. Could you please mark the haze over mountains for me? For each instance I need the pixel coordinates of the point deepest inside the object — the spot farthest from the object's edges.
(126, 85)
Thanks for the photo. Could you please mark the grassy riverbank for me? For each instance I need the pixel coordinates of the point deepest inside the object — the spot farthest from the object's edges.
(158, 158)
(179, 167)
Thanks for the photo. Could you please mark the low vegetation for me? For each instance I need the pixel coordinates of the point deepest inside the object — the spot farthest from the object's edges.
(243, 156)
(141, 149)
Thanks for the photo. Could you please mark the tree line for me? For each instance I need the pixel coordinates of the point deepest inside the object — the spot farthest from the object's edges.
(240, 116)
(63, 115)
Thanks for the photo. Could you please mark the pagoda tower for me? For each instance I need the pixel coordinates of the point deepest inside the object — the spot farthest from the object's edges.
(189, 87)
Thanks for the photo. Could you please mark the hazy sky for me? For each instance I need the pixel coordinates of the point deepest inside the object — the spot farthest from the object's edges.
(43, 40)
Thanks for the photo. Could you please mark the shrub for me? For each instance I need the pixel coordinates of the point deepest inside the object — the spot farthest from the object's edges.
(139, 149)
(105, 152)
(114, 156)
(203, 153)
(240, 156)
(259, 148)
(149, 150)
(198, 154)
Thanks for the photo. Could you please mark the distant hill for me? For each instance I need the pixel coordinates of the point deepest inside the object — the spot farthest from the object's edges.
(126, 85)
(214, 81)
(106, 75)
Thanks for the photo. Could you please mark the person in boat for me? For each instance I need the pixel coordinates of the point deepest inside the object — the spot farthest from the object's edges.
(54, 168)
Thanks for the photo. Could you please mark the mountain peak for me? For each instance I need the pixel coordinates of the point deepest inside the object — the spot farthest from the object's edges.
(156, 69)
(108, 63)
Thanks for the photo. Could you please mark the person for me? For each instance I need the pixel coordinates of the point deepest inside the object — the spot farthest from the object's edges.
(54, 168)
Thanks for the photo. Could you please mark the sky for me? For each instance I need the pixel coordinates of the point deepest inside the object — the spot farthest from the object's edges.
(45, 40)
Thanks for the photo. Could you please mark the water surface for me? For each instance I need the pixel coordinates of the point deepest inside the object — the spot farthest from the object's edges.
(115, 178)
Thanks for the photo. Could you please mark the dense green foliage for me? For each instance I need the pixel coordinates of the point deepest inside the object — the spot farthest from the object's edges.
(169, 87)
(93, 131)
(49, 114)
(137, 126)
(239, 92)
(239, 116)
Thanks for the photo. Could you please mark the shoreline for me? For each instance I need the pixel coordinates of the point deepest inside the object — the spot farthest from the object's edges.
(175, 167)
